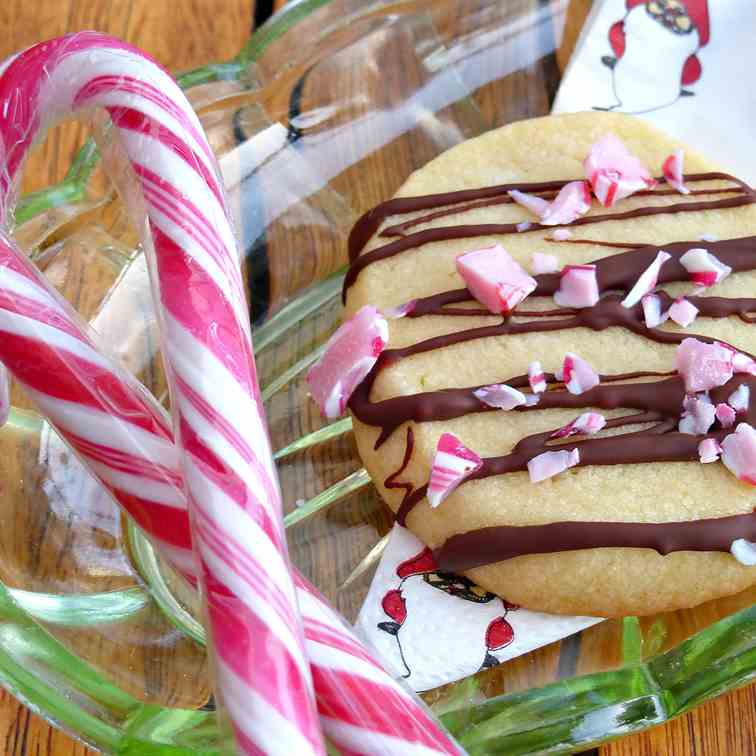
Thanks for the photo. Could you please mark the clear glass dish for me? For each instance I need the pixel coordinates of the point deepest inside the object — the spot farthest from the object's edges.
(322, 115)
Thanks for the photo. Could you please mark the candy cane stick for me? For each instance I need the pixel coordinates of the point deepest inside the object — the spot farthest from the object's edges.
(262, 674)
(386, 719)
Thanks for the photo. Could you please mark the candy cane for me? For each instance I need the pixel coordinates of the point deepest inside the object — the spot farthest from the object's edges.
(262, 673)
(385, 720)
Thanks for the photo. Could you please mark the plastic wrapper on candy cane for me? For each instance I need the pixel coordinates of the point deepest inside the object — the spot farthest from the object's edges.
(146, 114)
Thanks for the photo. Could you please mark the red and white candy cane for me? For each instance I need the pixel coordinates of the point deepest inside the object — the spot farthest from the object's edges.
(262, 672)
(386, 719)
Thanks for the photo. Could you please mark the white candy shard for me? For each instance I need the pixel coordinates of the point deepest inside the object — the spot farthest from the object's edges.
(542, 263)
(742, 363)
(744, 551)
(672, 168)
(698, 415)
(739, 453)
(494, 278)
(551, 463)
(740, 398)
(523, 226)
(400, 311)
(452, 464)
(577, 375)
(572, 202)
(652, 311)
(561, 234)
(578, 286)
(349, 356)
(647, 280)
(683, 312)
(709, 450)
(532, 202)
(703, 366)
(532, 399)
(501, 396)
(725, 415)
(613, 172)
(703, 268)
(536, 378)
(586, 424)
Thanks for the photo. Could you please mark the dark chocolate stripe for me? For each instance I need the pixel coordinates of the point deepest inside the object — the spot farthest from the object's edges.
(495, 544)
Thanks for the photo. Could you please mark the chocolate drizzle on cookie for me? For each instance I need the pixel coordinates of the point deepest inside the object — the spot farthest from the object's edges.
(657, 403)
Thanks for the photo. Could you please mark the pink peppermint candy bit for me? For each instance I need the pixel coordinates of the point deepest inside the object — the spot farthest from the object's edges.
(703, 366)
(551, 463)
(647, 280)
(672, 168)
(494, 278)
(561, 234)
(739, 453)
(709, 450)
(543, 263)
(652, 311)
(400, 311)
(725, 415)
(536, 378)
(535, 204)
(349, 356)
(577, 375)
(744, 551)
(501, 396)
(613, 172)
(704, 268)
(683, 312)
(586, 424)
(572, 202)
(740, 398)
(698, 416)
(453, 463)
(578, 286)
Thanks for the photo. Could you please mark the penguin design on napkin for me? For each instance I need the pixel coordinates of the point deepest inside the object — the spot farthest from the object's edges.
(655, 53)
(419, 611)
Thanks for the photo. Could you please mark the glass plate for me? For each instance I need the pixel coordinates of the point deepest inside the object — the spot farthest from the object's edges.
(324, 113)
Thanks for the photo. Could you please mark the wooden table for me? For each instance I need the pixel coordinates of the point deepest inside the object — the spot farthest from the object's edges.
(171, 30)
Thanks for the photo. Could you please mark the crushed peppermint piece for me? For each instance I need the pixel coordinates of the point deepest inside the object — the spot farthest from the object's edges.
(524, 226)
(698, 415)
(742, 363)
(613, 172)
(744, 551)
(452, 464)
(646, 281)
(709, 238)
(561, 234)
(704, 269)
(543, 263)
(494, 278)
(740, 398)
(348, 357)
(572, 202)
(577, 375)
(536, 378)
(703, 366)
(400, 311)
(672, 169)
(709, 450)
(725, 415)
(739, 453)
(578, 286)
(652, 311)
(586, 424)
(683, 312)
(532, 399)
(501, 396)
(532, 202)
(551, 463)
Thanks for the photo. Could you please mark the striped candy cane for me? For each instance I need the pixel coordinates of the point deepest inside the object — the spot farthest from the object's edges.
(363, 710)
(262, 674)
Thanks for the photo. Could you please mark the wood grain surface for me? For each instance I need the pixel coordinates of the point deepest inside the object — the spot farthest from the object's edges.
(182, 34)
